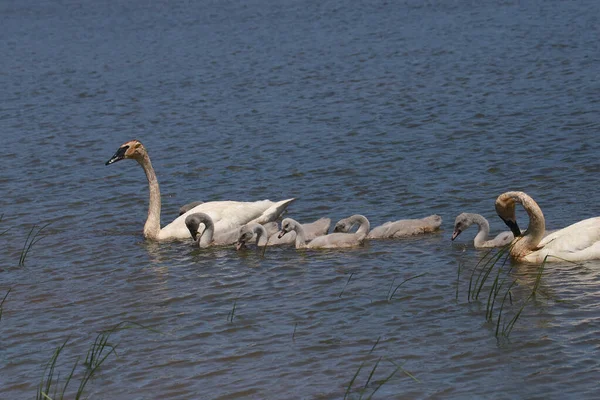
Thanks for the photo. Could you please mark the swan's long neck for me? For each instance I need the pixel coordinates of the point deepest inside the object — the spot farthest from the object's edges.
(363, 224)
(152, 226)
(208, 234)
(537, 225)
(261, 235)
(300, 236)
(484, 229)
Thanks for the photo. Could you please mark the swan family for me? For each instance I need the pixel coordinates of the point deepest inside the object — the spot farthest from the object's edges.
(217, 223)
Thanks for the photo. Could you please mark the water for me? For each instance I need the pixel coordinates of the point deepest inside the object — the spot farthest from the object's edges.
(394, 110)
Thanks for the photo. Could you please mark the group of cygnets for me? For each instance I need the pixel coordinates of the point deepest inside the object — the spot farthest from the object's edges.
(229, 222)
(313, 235)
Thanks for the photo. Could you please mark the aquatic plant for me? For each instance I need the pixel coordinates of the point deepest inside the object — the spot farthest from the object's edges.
(231, 314)
(346, 285)
(363, 390)
(33, 237)
(7, 229)
(477, 287)
(2, 302)
(50, 387)
(391, 292)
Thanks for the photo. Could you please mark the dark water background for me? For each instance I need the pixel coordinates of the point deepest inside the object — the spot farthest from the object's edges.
(390, 109)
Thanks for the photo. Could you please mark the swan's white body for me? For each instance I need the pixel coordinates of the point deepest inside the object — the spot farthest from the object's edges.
(226, 215)
(465, 220)
(265, 238)
(331, 241)
(397, 229)
(577, 242)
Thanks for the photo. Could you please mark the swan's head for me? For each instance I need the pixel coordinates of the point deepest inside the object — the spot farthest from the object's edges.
(505, 208)
(245, 235)
(461, 223)
(194, 221)
(342, 225)
(132, 149)
(287, 225)
(193, 224)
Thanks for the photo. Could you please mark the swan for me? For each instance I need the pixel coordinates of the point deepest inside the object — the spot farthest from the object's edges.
(207, 237)
(330, 241)
(258, 232)
(226, 215)
(465, 220)
(265, 238)
(577, 242)
(396, 229)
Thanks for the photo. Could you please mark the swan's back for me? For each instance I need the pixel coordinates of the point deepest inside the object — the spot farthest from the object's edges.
(577, 236)
(316, 228)
(501, 240)
(336, 240)
(226, 216)
(406, 227)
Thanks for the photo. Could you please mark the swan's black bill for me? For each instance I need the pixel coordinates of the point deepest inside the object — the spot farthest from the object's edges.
(281, 234)
(119, 155)
(514, 228)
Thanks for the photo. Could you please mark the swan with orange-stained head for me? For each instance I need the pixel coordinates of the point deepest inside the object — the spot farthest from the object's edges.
(226, 215)
(577, 242)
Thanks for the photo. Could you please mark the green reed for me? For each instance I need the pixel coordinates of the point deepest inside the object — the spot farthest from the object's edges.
(231, 314)
(7, 229)
(346, 285)
(391, 292)
(34, 236)
(51, 388)
(364, 389)
(2, 302)
(501, 287)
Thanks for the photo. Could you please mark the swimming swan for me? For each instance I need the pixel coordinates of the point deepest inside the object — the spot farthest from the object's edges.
(465, 220)
(226, 215)
(331, 241)
(257, 232)
(265, 238)
(207, 237)
(577, 242)
(397, 229)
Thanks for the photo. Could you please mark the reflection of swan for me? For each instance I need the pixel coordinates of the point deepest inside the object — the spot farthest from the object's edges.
(207, 237)
(577, 242)
(266, 238)
(465, 220)
(225, 214)
(331, 241)
(397, 229)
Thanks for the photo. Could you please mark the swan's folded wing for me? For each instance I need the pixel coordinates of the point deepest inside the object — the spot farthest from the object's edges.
(337, 240)
(316, 228)
(273, 212)
(576, 237)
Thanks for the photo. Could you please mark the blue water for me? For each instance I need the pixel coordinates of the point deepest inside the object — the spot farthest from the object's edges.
(389, 109)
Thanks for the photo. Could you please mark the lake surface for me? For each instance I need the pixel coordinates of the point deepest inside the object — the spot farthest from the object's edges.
(390, 109)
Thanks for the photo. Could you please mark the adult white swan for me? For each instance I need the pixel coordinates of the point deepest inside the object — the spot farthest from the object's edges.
(465, 220)
(577, 242)
(226, 215)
